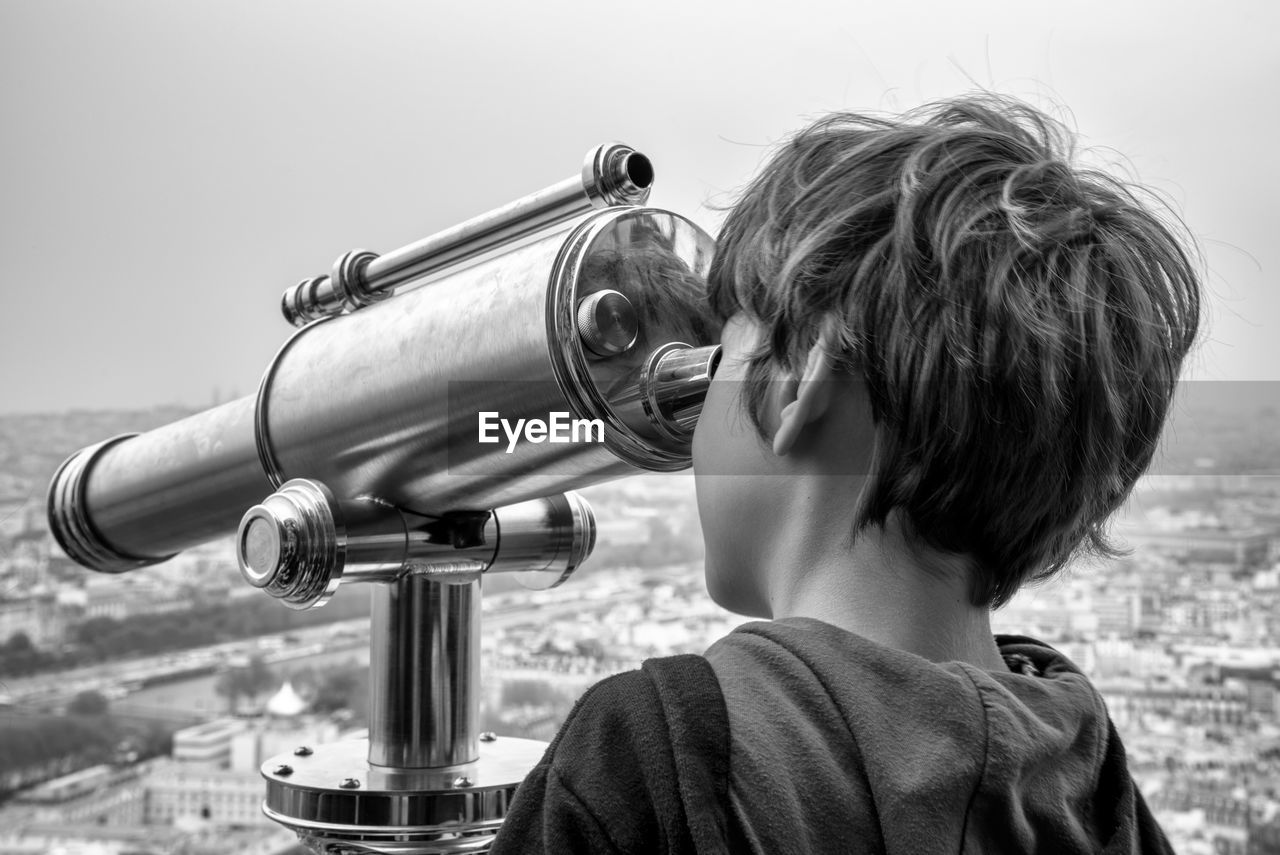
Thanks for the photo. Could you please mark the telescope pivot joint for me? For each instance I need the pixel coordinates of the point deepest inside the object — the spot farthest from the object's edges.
(301, 542)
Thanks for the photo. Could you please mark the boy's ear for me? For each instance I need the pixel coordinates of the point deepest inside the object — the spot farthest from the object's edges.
(805, 398)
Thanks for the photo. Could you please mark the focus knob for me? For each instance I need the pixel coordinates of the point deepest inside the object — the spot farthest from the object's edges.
(607, 323)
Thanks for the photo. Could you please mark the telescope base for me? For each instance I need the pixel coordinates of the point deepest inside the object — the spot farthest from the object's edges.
(340, 804)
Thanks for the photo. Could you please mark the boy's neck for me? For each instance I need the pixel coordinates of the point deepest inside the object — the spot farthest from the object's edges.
(889, 592)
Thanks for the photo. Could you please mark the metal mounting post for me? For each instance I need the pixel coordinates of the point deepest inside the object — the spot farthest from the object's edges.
(425, 780)
(424, 671)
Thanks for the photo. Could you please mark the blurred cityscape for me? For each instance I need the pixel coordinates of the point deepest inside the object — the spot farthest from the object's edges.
(136, 709)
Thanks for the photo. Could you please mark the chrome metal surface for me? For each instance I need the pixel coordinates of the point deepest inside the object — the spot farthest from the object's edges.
(70, 521)
(345, 289)
(607, 323)
(407, 428)
(303, 302)
(613, 174)
(673, 386)
(301, 542)
(349, 278)
(467, 843)
(160, 492)
(658, 261)
(386, 402)
(546, 541)
(294, 544)
(397, 811)
(261, 430)
(424, 748)
(424, 673)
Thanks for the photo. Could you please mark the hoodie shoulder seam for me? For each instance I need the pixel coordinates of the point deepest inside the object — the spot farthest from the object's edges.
(986, 754)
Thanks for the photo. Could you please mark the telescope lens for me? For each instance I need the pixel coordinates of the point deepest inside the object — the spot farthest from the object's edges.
(293, 545)
(260, 549)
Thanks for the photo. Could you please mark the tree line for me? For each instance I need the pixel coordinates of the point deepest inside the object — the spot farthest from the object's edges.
(35, 747)
(103, 638)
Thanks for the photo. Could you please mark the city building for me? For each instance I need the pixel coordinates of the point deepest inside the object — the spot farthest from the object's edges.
(100, 795)
(36, 615)
(207, 745)
(189, 794)
(1204, 705)
(1238, 548)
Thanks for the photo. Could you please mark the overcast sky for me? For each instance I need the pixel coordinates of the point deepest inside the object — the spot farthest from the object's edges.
(170, 167)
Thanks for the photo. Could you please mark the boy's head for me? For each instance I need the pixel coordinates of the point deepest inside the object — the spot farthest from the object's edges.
(1015, 324)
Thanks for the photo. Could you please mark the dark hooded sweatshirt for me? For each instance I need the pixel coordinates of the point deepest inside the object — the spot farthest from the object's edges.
(798, 737)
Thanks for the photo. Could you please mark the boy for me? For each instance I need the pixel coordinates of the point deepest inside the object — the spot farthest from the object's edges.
(948, 356)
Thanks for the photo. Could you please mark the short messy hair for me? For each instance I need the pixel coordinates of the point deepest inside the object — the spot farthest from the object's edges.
(1020, 321)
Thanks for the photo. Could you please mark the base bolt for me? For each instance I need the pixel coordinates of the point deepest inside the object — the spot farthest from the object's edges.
(462, 781)
(350, 783)
(488, 736)
(302, 751)
(283, 769)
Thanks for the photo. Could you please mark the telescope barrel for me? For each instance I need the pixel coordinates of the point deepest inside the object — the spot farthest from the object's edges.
(390, 402)
(136, 500)
(613, 174)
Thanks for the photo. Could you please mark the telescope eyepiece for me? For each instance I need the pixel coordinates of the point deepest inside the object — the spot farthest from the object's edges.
(668, 398)
(616, 174)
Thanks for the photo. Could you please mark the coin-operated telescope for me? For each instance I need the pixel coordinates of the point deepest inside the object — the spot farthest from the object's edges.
(379, 448)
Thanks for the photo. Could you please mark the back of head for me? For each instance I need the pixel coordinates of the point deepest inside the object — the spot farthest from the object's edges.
(1020, 322)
